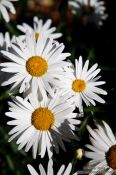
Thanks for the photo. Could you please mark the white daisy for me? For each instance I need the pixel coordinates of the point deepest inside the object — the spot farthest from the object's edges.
(89, 10)
(50, 171)
(35, 64)
(38, 28)
(4, 5)
(103, 150)
(42, 125)
(82, 85)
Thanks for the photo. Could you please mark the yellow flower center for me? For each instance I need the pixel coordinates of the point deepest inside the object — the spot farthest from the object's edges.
(88, 7)
(111, 157)
(36, 66)
(78, 85)
(42, 119)
(36, 36)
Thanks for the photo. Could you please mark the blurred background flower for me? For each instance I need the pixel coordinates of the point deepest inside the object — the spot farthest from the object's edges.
(7, 5)
(89, 11)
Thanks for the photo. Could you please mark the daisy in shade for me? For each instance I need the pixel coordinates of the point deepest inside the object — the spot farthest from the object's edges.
(4, 5)
(42, 125)
(38, 28)
(35, 64)
(103, 150)
(50, 171)
(5, 41)
(82, 85)
(90, 11)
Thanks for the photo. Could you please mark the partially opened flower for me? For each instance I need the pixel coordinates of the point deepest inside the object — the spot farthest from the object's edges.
(50, 171)
(103, 150)
(35, 64)
(83, 85)
(42, 125)
(90, 11)
(38, 28)
(4, 5)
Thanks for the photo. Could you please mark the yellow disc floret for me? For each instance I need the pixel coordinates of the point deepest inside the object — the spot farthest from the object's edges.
(111, 157)
(78, 85)
(89, 8)
(36, 36)
(42, 119)
(36, 66)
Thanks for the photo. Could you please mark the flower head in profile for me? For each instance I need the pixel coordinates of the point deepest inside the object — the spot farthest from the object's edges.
(38, 28)
(82, 85)
(50, 171)
(90, 11)
(102, 151)
(4, 5)
(35, 64)
(42, 125)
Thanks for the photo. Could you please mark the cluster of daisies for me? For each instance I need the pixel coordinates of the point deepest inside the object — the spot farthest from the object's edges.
(50, 88)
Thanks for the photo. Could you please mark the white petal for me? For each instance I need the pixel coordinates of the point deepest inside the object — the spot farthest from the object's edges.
(50, 167)
(4, 13)
(68, 169)
(79, 68)
(61, 170)
(32, 170)
(42, 171)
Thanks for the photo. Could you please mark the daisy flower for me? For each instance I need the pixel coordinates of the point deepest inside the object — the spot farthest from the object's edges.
(103, 150)
(92, 11)
(4, 5)
(82, 85)
(38, 28)
(35, 64)
(50, 171)
(42, 125)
